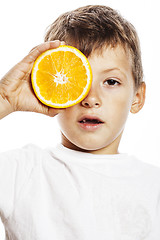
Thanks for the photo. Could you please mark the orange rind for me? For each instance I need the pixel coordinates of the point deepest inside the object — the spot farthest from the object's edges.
(61, 77)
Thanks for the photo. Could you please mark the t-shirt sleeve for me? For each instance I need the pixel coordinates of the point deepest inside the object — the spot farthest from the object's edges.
(15, 168)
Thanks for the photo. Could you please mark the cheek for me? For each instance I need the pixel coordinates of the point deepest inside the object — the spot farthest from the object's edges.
(63, 120)
(66, 118)
(120, 108)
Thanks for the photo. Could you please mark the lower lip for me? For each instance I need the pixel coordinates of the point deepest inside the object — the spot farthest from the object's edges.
(90, 127)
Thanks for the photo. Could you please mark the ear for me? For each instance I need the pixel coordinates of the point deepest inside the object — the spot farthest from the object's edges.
(139, 98)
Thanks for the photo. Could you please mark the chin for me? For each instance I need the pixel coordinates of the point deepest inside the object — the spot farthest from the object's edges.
(89, 146)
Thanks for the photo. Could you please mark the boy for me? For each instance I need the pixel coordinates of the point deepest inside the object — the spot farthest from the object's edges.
(83, 189)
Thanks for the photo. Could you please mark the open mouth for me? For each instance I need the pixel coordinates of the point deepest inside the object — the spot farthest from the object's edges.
(91, 121)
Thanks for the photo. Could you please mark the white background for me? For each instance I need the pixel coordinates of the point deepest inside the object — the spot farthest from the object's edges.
(22, 26)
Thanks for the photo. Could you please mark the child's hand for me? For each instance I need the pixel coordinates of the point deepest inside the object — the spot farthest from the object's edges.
(16, 92)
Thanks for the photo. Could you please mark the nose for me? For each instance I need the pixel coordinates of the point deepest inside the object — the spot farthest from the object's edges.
(92, 100)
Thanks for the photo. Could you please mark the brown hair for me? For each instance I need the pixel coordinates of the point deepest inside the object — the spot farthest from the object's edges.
(91, 27)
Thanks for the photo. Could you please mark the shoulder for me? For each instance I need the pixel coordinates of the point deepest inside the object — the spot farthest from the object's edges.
(27, 149)
(28, 157)
(148, 170)
(29, 154)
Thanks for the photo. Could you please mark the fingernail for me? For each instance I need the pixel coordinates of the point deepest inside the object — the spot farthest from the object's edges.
(62, 43)
(56, 42)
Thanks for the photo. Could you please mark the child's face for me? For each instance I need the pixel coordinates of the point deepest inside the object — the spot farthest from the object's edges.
(109, 101)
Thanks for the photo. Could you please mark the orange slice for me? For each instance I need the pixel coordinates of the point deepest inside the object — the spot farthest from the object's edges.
(61, 77)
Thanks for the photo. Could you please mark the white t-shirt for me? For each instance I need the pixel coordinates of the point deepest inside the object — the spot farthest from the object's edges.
(61, 194)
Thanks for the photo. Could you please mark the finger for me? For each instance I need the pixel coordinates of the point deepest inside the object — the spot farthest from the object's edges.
(24, 67)
(50, 42)
(35, 52)
(63, 43)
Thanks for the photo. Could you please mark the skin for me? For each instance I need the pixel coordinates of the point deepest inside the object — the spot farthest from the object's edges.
(16, 92)
(112, 96)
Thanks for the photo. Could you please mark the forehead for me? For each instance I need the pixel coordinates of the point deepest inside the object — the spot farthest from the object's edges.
(111, 57)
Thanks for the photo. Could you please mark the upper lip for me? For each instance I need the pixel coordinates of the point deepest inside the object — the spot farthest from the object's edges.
(90, 117)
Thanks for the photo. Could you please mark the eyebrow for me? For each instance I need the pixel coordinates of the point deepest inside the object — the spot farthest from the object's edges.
(113, 69)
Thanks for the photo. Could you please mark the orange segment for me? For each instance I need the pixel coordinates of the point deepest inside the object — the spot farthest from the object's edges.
(61, 77)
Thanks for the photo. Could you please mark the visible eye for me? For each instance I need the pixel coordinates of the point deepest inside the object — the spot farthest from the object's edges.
(111, 82)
